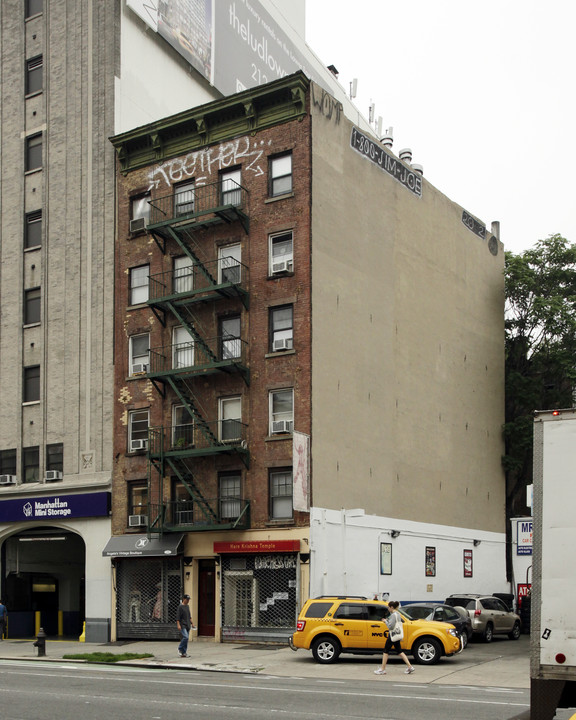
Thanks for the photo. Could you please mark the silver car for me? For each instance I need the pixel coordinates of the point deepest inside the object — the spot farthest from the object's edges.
(489, 615)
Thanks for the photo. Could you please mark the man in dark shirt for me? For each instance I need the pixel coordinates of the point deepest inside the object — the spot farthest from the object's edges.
(184, 623)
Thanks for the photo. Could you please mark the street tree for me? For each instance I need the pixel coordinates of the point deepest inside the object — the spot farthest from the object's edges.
(540, 370)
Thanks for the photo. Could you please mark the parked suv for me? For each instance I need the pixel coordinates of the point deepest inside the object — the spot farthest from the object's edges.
(490, 615)
(333, 625)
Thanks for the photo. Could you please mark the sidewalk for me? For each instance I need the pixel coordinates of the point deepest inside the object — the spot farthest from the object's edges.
(499, 664)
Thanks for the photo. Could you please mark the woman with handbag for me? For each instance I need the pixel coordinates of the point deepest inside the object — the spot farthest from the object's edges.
(395, 636)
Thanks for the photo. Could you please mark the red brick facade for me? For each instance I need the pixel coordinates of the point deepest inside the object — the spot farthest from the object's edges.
(267, 370)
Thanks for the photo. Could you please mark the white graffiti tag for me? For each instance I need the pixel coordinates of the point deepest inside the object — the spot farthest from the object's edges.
(201, 163)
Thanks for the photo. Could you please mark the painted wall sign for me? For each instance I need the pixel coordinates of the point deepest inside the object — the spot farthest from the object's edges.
(55, 507)
(472, 224)
(257, 546)
(393, 166)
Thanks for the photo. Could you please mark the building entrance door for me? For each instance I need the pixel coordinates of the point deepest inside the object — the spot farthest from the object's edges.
(206, 598)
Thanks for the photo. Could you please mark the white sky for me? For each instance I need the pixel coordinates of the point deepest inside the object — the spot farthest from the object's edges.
(484, 93)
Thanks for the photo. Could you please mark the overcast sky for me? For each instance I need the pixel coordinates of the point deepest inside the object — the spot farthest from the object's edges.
(482, 92)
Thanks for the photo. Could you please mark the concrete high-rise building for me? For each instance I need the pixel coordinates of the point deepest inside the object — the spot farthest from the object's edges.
(72, 74)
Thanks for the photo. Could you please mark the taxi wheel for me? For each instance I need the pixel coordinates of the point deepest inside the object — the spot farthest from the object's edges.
(326, 650)
(426, 651)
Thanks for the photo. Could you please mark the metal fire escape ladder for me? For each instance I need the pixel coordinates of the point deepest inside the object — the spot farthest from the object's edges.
(187, 479)
(187, 400)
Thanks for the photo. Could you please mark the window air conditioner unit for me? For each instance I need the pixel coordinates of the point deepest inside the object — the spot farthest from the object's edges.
(7, 479)
(281, 267)
(282, 426)
(282, 344)
(137, 225)
(138, 444)
(139, 368)
(137, 520)
(52, 475)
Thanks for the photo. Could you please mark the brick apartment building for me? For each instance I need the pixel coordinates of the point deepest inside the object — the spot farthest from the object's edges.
(303, 324)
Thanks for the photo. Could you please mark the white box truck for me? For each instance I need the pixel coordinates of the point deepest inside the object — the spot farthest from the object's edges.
(553, 595)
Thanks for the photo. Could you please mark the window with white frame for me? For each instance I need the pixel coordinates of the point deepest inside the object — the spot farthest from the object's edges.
(280, 175)
(281, 328)
(139, 353)
(138, 423)
(229, 486)
(182, 428)
(138, 498)
(281, 253)
(139, 213)
(183, 274)
(281, 485)
(140, 207)
(231, 187)
(184, 198)
(229, 257)
(139, 284)
(230, 342)
(182, 348)
(230, 417)
(281, 411)
(182, 504)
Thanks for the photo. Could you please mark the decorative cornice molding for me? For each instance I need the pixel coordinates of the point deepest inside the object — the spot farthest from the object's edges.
(249, 111)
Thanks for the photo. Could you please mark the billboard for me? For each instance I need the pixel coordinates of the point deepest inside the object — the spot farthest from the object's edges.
(234, 44)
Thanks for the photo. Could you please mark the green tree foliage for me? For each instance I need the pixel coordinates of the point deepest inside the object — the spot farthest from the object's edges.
(540, 351)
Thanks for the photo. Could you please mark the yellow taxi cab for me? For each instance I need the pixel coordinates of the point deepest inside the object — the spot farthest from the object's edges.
(333, 625)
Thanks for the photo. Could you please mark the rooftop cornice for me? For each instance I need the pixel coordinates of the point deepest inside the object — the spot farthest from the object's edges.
(246, 112)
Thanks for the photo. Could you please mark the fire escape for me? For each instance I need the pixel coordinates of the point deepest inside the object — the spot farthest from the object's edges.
(174, 451)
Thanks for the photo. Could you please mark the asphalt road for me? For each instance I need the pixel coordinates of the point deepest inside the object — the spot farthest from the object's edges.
(30, 690)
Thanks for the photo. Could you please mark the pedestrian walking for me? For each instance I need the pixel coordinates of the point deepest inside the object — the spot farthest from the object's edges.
(394, 639)
(184, 624)
(3, 619)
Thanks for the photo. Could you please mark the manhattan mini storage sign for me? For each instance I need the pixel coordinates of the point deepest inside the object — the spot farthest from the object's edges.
(55, 507)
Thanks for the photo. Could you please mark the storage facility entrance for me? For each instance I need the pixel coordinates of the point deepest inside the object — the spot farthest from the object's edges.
(43, 583)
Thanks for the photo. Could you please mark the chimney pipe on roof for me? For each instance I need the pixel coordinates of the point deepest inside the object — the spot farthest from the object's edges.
(418, 169)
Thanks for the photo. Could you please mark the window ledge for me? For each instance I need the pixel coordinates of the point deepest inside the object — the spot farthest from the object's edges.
(138, 306)
(279, 197)
(281, 522)
(280, 353)
(33, 170)
(33, 94)
(30, 402)
(31, 325)
(278, 436)
(33, 247)
(275, 276)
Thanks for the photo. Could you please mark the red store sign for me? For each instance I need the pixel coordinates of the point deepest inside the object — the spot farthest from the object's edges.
(257, 546)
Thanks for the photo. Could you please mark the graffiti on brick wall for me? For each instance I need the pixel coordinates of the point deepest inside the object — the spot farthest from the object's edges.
(331, 108)
(200, 164)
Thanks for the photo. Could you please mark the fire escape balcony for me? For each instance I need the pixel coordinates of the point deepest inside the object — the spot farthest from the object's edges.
(198, 282)
(199, 514)
(180, 361)
(202, 205)
(176, 443)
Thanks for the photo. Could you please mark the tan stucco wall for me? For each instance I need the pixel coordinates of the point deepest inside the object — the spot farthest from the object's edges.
(408, 345)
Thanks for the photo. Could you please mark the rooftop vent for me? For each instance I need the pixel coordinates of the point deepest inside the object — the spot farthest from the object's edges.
(388, 138)
(406, 155)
